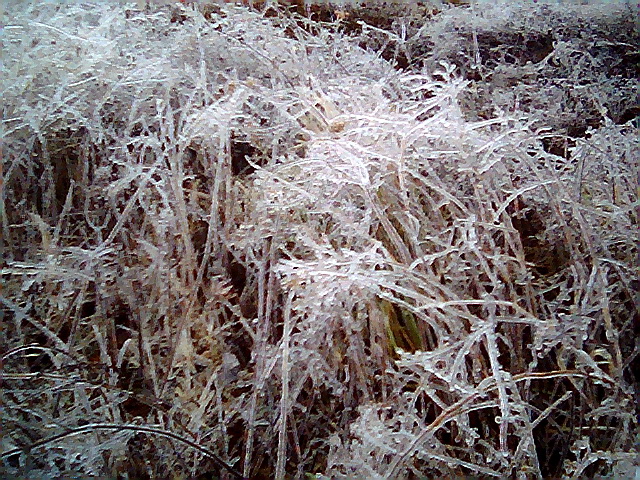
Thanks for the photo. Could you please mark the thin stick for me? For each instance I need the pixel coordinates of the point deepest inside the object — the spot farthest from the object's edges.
(134, 428)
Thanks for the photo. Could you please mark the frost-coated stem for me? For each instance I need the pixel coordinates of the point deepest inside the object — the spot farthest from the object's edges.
(284, 397)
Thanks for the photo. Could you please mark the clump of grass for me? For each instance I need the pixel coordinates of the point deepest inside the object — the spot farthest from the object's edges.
(244, 242)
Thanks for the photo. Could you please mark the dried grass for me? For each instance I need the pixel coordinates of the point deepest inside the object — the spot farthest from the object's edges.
(362, 248)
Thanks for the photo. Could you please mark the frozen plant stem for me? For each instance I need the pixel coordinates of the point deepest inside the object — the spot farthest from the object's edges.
(133, 428)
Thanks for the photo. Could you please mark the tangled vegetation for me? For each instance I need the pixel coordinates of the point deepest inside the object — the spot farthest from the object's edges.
(386, 241)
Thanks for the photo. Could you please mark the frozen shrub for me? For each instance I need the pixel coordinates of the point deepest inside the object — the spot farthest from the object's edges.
(393, 242)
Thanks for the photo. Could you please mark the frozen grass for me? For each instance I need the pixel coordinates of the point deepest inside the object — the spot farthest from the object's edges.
(384, 247)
